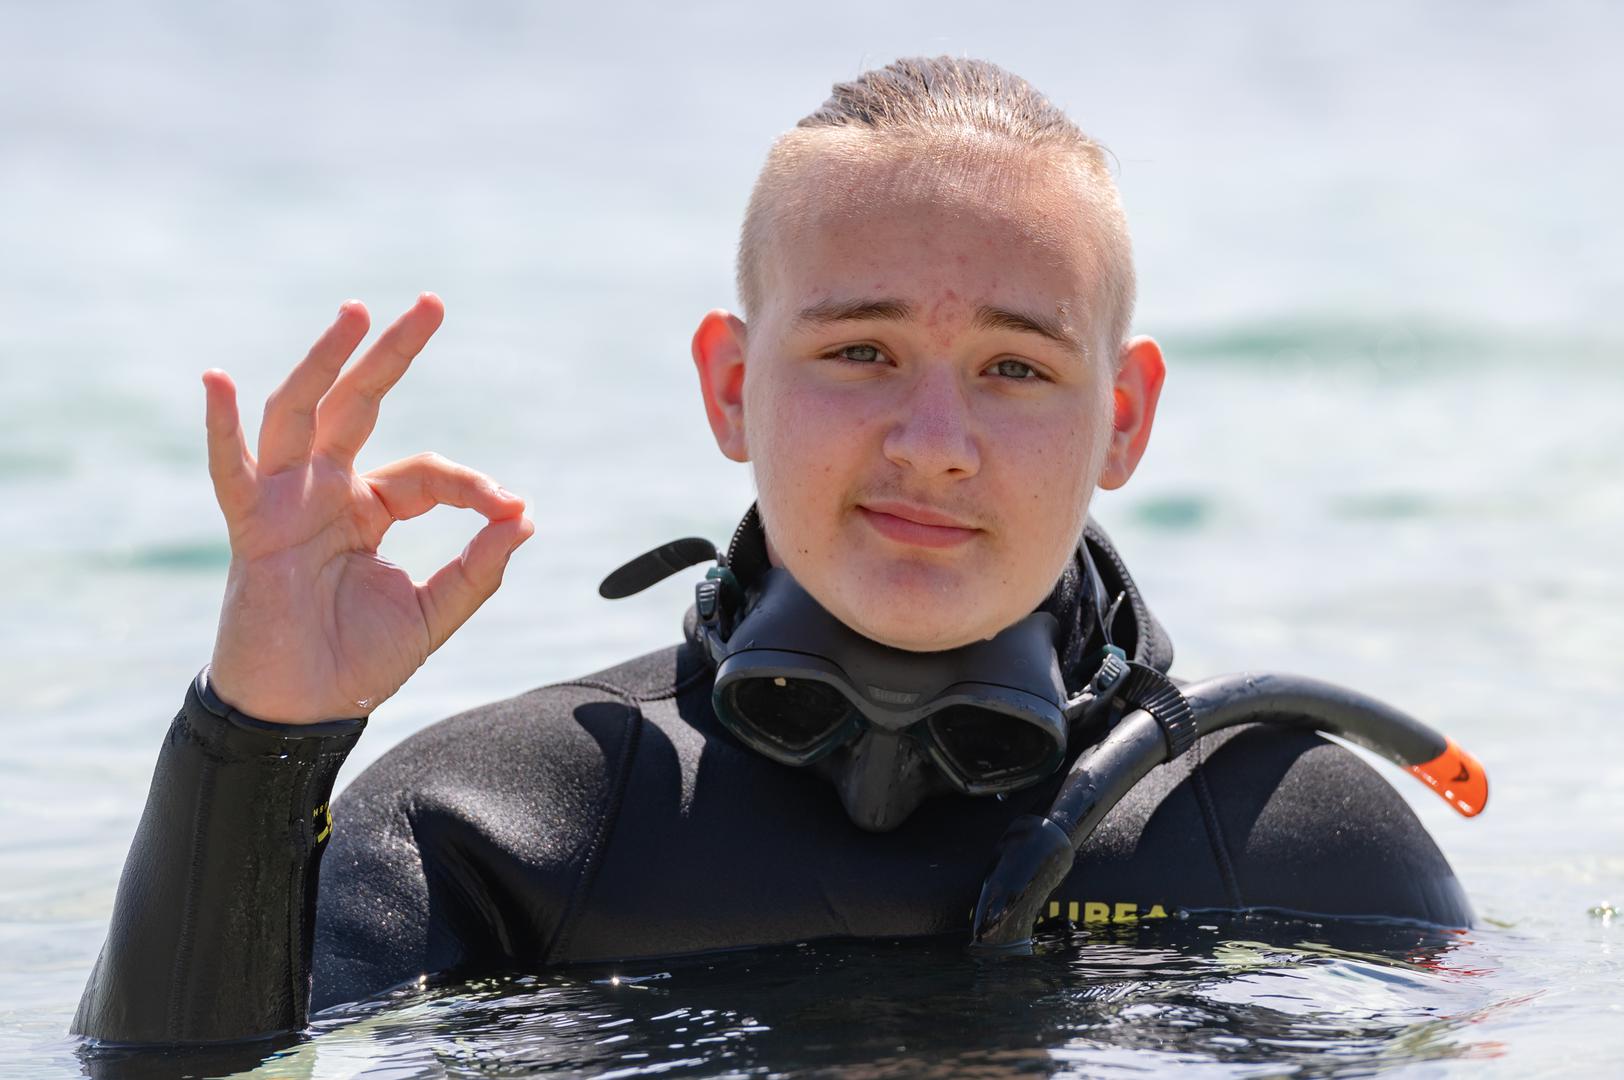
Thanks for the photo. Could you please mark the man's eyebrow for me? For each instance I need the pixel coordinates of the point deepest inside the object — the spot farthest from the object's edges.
(992, 318)
(833, 311)
(987, 318)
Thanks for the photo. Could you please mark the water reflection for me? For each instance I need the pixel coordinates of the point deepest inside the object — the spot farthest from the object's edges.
(1240, 995)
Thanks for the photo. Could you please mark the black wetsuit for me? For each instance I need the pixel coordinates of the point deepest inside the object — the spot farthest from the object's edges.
(612, 817)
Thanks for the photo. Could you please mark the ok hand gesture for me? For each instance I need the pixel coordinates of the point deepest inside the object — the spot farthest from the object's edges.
(315, 626)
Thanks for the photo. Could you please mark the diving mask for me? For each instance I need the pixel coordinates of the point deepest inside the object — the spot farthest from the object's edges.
(888, 727)
(796, 684)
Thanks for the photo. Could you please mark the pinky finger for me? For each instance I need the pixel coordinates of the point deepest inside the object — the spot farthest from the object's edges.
(459, 587)
(231, 467)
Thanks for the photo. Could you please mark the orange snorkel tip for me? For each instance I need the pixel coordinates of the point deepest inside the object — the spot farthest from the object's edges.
(1457, 777)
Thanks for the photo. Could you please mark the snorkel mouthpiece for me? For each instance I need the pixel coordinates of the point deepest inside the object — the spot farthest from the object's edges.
(1033, 858)
(1098, 780)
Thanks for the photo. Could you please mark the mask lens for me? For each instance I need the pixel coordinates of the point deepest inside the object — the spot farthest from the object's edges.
(985, 745)
(797, 715)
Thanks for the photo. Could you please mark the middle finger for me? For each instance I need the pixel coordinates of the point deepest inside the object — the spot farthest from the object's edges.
(349, 411)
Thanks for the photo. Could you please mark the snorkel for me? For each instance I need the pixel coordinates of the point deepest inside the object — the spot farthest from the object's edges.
(1036, 853)
(799, 687)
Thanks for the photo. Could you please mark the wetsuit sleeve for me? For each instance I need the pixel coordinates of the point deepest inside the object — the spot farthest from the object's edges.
(213, 923)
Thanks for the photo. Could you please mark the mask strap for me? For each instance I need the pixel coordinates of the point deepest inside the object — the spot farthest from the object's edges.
(655, 566)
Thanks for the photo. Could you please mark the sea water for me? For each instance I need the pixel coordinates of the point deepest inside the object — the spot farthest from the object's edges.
(1378, 245)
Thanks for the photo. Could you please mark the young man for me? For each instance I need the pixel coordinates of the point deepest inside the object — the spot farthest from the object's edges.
(931, 375)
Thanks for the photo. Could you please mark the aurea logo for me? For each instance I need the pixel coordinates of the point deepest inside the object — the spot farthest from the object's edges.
(1100, 911)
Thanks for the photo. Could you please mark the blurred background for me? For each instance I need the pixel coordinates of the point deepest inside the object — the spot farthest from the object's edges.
(1379, 244)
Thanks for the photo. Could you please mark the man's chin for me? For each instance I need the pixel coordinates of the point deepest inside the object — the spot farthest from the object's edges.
(918, 604)
(931, 622)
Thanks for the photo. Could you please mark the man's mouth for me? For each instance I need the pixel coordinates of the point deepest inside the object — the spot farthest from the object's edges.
(919, 526)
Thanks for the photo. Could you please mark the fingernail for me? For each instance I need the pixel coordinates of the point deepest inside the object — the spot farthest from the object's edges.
(504, 493)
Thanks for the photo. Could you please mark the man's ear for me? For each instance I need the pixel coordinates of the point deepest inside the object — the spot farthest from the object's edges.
(719, 357)
(1138, 385)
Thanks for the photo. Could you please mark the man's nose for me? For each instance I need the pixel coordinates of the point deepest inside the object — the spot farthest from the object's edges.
(933, 434)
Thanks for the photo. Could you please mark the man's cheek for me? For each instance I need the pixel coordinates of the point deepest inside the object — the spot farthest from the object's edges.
(1036, 450)
(1042, 475)
(827, 429)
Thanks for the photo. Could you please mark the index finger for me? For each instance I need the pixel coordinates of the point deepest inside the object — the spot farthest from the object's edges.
(349, 410)
(415, 485)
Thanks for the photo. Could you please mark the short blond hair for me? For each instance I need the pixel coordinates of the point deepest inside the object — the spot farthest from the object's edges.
(962, 103)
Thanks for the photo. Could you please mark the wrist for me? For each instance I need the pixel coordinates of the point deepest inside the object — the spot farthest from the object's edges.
(210, 699)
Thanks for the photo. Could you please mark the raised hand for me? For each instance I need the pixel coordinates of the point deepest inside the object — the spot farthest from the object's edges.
(315, 626)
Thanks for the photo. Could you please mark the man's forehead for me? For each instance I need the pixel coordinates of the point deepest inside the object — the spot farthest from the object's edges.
(902, 233)
(848, 182)
(894, 199)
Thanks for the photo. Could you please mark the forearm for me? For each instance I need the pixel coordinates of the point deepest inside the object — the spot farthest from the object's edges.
(212, 927)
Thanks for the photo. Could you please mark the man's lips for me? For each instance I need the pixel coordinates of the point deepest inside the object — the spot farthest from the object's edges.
(916, 525)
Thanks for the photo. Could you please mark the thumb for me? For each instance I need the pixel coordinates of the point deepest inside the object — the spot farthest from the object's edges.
(459, 587)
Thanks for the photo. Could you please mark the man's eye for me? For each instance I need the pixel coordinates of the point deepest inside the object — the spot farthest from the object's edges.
(1016, 369)
(862, 354)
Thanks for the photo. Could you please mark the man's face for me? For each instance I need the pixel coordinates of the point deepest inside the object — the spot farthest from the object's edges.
(927, 391)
